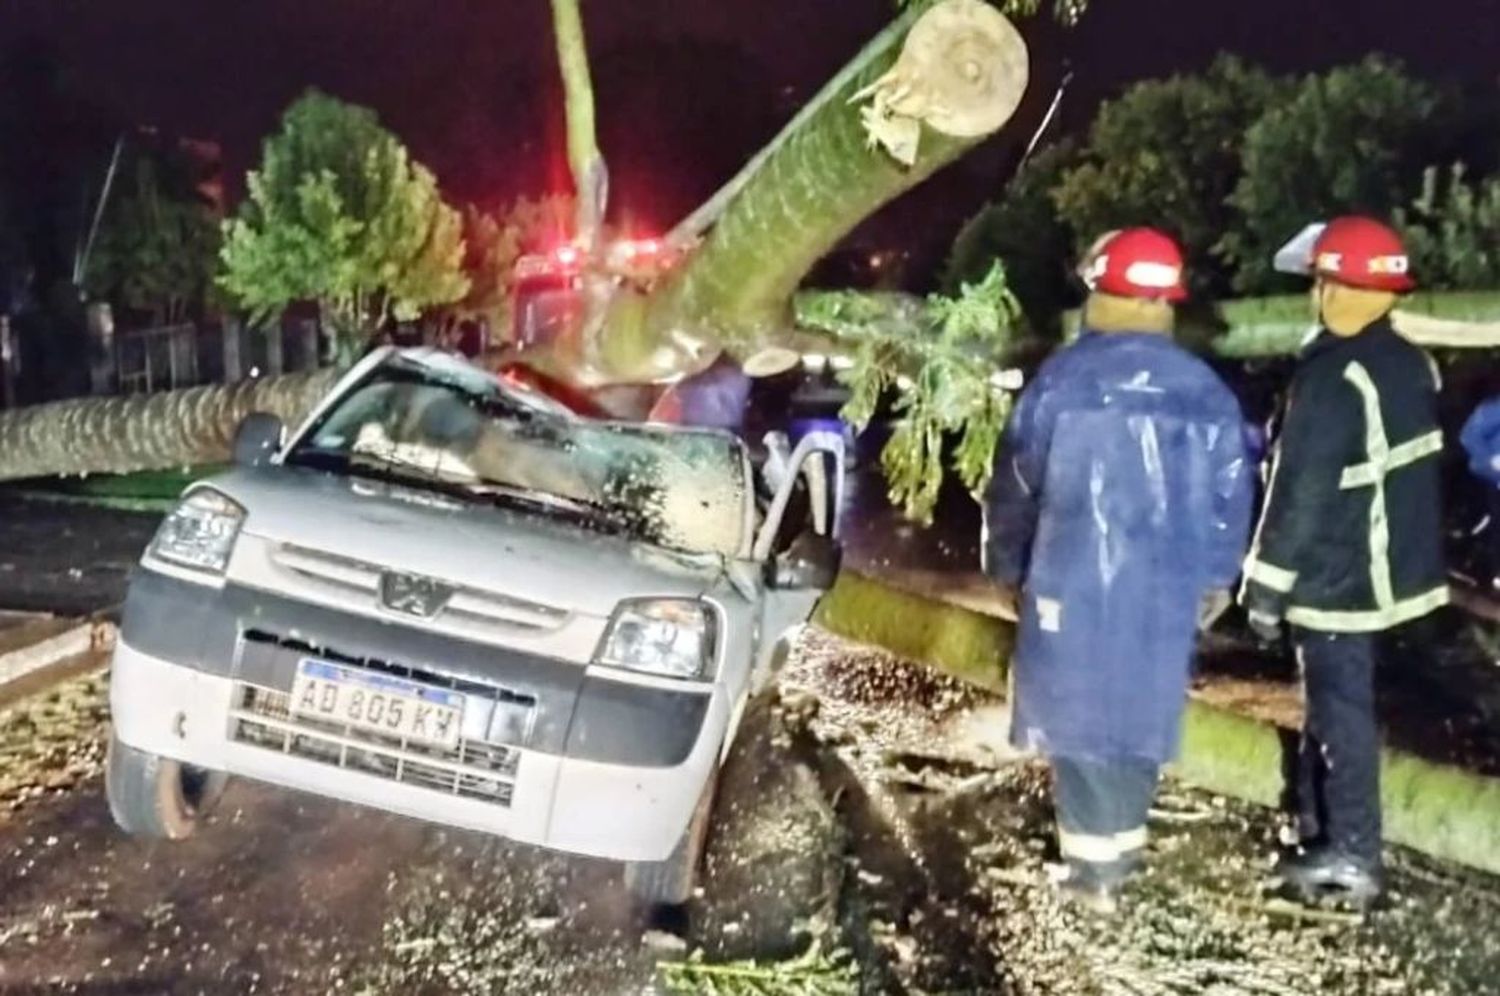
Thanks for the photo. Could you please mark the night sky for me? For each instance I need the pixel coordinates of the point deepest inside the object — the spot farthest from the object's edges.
(687, 88)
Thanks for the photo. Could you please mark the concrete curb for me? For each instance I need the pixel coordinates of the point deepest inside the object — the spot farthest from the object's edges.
(49, 643)
(1437, 809)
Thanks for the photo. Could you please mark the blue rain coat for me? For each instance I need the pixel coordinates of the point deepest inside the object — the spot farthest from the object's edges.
(1481, 441)
(1121, 496)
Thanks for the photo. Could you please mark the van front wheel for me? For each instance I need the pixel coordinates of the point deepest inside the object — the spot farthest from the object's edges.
(154, 796)
(671, 882)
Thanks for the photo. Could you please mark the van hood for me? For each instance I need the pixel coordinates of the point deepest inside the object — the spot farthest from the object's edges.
(472, 544)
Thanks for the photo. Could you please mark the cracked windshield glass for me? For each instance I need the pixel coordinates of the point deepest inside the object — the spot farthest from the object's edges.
(458, 431)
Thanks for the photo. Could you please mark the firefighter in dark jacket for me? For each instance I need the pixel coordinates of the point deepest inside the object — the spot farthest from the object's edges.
(1120, 502)
(1349, 543)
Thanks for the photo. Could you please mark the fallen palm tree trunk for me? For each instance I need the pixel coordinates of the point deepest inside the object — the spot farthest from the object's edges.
(147, 431)
(1248, 329)
(1434, 808)
(1276, 326)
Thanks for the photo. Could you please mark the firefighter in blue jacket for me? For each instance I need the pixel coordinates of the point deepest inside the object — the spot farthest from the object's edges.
(1120, 502)
(1350, 541)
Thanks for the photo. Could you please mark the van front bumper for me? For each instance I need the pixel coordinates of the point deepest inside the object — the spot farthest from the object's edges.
(624, 812)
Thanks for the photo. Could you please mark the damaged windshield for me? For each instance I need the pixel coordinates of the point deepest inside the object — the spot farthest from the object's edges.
(452, 428)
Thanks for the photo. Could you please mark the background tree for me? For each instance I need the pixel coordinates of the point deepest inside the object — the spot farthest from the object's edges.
(1354, 139)
(1168, 153)
(157, 251)
(1453, 230)
(339, 214)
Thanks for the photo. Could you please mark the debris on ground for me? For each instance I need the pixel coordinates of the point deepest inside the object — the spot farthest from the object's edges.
(500, 921)
(934, 840)
(52, 741)
(771, 873)
(813, 973)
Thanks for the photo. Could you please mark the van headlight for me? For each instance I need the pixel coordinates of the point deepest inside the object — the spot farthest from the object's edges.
(200, 532)
(670, 637)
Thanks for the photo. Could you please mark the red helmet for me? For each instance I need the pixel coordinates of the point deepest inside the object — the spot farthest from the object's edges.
(1136, 262)
(1362, 252)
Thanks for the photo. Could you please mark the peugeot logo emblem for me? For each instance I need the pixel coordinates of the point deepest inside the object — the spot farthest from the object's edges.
(412, 595)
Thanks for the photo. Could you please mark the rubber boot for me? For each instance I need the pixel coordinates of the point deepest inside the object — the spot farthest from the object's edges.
(1325, 875)
(1087, 886)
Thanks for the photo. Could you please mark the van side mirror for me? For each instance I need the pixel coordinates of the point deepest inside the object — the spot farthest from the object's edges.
(257, 439)
(811, 563)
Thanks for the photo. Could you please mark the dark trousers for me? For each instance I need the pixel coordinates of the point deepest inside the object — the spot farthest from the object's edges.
(1338, 764)
(1101, 811)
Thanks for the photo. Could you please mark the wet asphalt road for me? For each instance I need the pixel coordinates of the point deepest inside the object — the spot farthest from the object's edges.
(279, 893)
(67, 559)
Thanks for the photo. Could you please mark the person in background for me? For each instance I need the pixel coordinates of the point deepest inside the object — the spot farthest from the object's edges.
(716, 398)
(1118, 507)
(1349, 544)
(1481, 442)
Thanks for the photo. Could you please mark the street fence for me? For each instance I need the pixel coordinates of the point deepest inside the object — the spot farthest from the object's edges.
(162, 358)
(141, 361)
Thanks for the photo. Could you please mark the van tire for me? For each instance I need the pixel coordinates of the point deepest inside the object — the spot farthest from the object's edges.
(670, 883)
(157, 797)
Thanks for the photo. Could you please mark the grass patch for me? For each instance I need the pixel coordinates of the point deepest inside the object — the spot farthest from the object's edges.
(157, 484)
(143, 491)
(969, 645)
(811, 974)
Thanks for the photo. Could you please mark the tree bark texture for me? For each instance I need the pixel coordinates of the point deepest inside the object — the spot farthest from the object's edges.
(147, 431)
(584, 159)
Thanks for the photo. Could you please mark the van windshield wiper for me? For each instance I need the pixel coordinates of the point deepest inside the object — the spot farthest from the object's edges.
(372, 468)
(582, 511)
(579, 510)
(544, 499)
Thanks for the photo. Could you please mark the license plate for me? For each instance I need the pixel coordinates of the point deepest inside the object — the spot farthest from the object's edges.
(377, 702)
